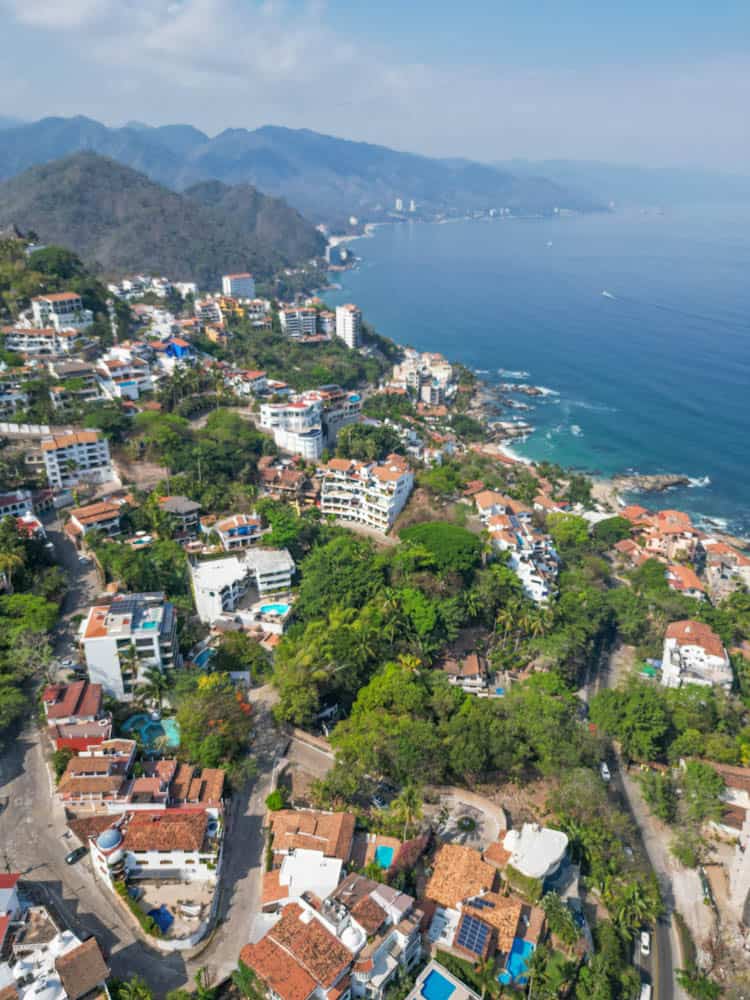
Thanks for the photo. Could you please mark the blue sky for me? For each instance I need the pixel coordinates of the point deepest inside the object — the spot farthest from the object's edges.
(656, 83)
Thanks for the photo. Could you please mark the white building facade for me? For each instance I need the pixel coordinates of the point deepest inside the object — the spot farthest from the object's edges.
(238, 286)
(349, 325)
(77, 457)
(373, 495)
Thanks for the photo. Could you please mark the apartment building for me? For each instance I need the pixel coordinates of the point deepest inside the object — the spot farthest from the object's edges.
(77, 383)
(297, 426)
(238, 531)
(122, 639)
(185, 514)
(239, 286)
(76, 457)
(373, 494)
(103, 517)
(694, 654)
(220, 584)
(62, 311)
(349, 325)
(41, 341)
(247, 382)
(12, 393)
(124, 377)
(17, 503)
(427, 375)
(209, 312)
(298, 321)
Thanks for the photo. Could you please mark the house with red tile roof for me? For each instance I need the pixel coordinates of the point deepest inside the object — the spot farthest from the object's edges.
(694, 654)
(68, 704)
(685, 581)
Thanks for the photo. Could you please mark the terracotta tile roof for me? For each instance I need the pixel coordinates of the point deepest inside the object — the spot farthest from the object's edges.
(458, 872)
(71, 700)
(734, 817)
(96, 512)
(319, 953)
(489, 498)
(272, 890)
(66, 440)
(82, 969)
(330, 833)
(281, 974)
(57, 297)
(691, 633)
(368, 914)
(88, 765)
(734, 777)
(391, 470)
(90, 826)
(9, 880)
(7, 992)
(496, 854)
(171, 830)
(634, 513)
(502, 913)
(684, 578)
(106, 786)
(181, 782)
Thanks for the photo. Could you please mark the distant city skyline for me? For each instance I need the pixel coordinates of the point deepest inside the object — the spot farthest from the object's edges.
(487, 79)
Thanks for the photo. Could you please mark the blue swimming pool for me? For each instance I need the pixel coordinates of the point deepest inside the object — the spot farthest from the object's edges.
(517, 963)
(203, 657)
(152, 732)
(436, 986)
(274, 609)
(383, 856)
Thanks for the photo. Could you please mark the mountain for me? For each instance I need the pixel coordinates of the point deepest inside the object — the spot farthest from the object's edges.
(639, 186)
(120, 220)
(322, 176)
(7, 122)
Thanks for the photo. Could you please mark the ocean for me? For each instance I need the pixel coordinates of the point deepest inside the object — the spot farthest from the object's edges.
(651, 377)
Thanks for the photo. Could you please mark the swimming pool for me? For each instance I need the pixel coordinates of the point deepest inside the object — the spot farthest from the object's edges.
(383, 856)
(203, 657)
(437, 987)
(517, 963)
(274, 609)
(151, 732)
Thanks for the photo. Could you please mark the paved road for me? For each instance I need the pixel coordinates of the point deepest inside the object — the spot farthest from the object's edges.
(659, 968)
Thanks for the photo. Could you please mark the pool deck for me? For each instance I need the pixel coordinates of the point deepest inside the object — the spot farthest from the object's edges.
(460, 991)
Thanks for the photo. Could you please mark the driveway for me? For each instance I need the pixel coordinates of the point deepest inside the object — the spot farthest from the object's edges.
(469, 819)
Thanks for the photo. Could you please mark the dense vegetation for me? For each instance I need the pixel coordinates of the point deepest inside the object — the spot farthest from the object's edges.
(121, 221)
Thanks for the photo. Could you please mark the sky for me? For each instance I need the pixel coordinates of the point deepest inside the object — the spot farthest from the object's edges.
(661, 84)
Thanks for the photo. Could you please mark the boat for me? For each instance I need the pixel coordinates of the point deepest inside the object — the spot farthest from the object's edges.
(607, 295)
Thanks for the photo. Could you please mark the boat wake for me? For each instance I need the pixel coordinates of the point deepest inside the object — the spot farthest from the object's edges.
(507, 373)
(698, 481)
(607, 295)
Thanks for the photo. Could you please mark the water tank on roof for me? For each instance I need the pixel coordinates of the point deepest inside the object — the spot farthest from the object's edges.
(109, 839)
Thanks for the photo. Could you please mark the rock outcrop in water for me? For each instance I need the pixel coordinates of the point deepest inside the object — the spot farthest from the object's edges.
(650, 484)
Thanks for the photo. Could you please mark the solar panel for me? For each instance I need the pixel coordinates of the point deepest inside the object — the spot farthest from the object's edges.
(482, 904)
(472, 934)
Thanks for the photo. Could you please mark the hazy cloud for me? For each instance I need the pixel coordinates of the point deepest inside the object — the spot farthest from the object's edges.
(223, 63)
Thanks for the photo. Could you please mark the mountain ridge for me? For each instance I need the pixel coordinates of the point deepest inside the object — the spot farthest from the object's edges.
(119, 220)
(324, 177)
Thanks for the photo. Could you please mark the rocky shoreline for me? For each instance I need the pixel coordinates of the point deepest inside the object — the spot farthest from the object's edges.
(649, 483)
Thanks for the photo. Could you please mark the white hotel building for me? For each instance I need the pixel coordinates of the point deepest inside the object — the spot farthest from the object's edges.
(77, 456)
(144, 623)
(370, 494)
(61, 310)
(298, 321)
(238, 286)
(349, 325)
(48, 340)
(220, 584)
(297, 426)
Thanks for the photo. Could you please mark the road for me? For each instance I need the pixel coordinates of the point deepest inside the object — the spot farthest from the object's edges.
(34, 837)
(659, 967)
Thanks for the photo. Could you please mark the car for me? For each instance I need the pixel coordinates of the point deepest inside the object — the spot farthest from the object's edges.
(645, 991)
(645, 943)
(605, 771)
(76, 855)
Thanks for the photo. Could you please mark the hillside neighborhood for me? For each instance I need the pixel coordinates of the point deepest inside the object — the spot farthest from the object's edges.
(311, 688)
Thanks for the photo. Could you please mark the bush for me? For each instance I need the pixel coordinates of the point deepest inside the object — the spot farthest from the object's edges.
(528, 887)
(148, 924)
(278, 799)
(60, 759)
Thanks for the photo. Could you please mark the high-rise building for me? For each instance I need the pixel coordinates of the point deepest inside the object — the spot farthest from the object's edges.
(349, 324)
(399, 204)
(412, 205)
(239, 286)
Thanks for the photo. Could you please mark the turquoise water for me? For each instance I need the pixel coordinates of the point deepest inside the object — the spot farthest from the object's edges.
(654, 379)
(203, 657)
(274, 609)
(437, 987)
(383, 856)
(517, 963)
(151, 732)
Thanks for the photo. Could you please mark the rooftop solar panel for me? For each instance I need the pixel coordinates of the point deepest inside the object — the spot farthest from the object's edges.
(472, 934)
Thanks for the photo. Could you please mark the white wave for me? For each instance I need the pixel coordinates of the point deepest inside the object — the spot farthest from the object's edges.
(696, 481)
(481, 371)
(544, 391)
(511, 374)
(595, 407)
(576, 431)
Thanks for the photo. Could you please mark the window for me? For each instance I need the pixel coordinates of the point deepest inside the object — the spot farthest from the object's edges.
(166, 861)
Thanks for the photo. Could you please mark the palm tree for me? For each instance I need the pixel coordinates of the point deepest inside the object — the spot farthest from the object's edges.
(135, 989)
(10, 562)
(408, 807)
(247, 982)
(486, 973)
(154, 686)
(129, 662)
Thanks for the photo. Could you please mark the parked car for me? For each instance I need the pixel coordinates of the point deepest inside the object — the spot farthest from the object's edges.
(76, 855)
(645, 991)
(645, 943)
(605, 771)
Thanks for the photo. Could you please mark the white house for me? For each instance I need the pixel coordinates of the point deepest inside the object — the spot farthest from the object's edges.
(298, 321)
(349, 324)
(220, 584)
(296, 425)
(536, 851)
(694, 654)
(143, 623)
(47, 340)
